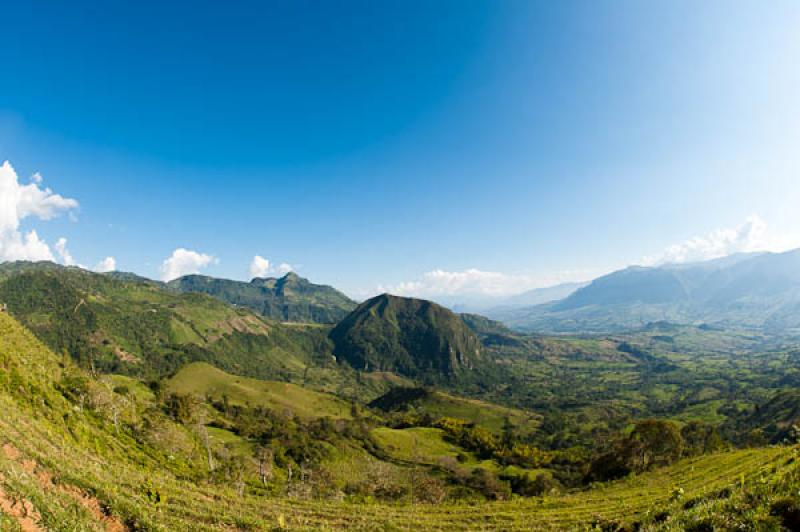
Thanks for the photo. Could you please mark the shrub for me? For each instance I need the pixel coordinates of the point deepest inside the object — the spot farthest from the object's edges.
(788, 511)
(651, 443)
(532, 486)
(488, 484)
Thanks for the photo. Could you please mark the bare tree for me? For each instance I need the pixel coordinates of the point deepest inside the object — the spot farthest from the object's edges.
(265, 457)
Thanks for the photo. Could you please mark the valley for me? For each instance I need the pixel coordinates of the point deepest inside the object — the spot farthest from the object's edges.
(404, 409)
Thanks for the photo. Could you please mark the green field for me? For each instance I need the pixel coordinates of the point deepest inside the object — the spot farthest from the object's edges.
(437, 404)
(418, 444)
(204, 380)
(481, 413)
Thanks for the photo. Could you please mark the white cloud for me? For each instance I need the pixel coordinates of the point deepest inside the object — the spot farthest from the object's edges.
(284, 268)
(16, 246)
(18, 202)
(261, 267)
(108, 264)
(474, 282)
(63, 252)
(184, 262)
(751, 236)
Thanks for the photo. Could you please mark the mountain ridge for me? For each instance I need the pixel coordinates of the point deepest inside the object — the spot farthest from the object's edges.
(758, 291)
(287, 298)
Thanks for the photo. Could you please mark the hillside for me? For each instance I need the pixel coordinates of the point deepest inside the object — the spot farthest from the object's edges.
(66, 464)
(409, 336)
(206, 381)
(133, 326)
(289, 298)
(756, 291)
(775, 421)
(438, 404)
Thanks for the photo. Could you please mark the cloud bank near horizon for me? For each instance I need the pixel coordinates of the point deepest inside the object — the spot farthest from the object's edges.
(753, 235)
(184, 261)
(19, 202)
(475, 283)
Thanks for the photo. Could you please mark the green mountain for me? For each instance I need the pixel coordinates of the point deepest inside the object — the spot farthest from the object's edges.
(289, 298)
(129, 325)
(412, 337)
(754, 291)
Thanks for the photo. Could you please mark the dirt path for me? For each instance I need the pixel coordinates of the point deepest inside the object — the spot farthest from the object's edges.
(26, 515)
(21, 510)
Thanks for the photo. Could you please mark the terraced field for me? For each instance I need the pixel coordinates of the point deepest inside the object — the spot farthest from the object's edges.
(66, 468)
(39, 452)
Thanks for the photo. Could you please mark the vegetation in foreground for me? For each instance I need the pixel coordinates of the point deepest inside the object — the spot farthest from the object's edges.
(86, 453)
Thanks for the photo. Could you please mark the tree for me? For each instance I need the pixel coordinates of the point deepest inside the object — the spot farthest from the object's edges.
(653, 442)
(700, 438)
(182, 408)
(265, 457)
(509, 435)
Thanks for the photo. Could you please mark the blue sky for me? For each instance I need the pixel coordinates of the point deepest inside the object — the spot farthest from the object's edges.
(427, 148)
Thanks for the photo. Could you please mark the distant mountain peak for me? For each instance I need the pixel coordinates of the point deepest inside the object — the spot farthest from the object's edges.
(745, 290)
(287, 277)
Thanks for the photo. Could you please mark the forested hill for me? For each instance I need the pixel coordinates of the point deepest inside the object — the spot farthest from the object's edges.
(127, 324)
(409, 336)
(288, 298)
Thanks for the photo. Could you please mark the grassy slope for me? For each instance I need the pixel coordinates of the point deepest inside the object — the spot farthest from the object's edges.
(425, 446)
(82, 453)
(439, 404)
(483, 414)
(418, 444)
(204, 380)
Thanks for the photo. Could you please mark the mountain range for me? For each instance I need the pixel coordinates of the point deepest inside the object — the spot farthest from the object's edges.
(131, 325)
(757, 291)
(492, 304)
(288, 298)
(268, 328)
